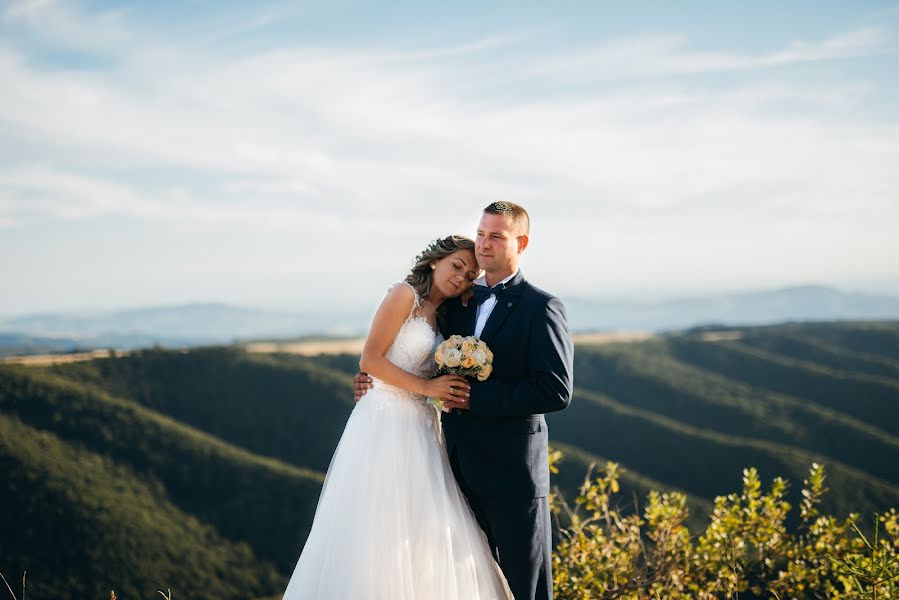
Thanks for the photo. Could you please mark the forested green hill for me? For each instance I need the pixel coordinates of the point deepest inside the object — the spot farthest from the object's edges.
(81, 524)
(199, 470)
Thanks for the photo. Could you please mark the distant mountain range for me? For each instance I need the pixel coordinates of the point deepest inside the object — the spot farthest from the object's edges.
(180, 325)
(798, 303)
(213, 323)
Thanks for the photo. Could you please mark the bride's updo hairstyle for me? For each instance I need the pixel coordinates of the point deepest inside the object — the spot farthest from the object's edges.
(422, 275)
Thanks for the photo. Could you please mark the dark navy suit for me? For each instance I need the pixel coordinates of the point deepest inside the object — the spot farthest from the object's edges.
(498, 449)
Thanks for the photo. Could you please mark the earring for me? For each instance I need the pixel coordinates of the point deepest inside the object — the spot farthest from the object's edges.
(433, 266)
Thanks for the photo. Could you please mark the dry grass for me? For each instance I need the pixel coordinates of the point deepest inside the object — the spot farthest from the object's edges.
(309, 348)
(112, 594)
(611, 337)
(38, 360)
(721, 336)
(316, 347)
(9, 587)
(354, 346)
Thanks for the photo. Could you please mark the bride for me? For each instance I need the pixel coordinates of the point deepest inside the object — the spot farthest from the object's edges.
(391, 522)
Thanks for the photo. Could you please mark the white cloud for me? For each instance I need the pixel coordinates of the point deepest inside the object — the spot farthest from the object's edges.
(479, 46)
(660, 180)
(668, 55)
(24, 8)
(46, 192)
(59, 25)
(7, 207)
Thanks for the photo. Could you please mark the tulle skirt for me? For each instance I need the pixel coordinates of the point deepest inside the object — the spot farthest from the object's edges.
(391, 522)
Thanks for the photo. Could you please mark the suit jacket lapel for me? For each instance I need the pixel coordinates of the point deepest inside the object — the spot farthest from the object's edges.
(458, 319)
(503, 308)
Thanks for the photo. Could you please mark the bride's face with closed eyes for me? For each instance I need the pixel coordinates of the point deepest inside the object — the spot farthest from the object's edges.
(455, 273)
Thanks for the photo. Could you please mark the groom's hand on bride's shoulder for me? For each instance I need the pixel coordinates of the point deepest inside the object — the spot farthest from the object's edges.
(361, 384)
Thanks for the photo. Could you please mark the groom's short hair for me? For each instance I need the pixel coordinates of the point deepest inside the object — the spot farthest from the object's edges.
(517, 212)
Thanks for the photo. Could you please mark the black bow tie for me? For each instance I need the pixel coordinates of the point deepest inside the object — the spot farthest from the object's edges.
(482, 292)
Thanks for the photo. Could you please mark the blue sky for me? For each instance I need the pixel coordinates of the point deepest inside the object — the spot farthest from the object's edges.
(290, 154)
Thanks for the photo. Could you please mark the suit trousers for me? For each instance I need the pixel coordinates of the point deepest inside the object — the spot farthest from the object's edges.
(519, 531)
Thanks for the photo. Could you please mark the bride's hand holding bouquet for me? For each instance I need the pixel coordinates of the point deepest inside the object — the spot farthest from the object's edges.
(461, 357)
(449, 387)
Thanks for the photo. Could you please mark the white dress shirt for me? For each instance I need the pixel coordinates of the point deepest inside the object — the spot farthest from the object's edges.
(486, 307)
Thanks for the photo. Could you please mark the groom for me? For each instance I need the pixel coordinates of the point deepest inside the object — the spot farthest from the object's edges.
(496, 438)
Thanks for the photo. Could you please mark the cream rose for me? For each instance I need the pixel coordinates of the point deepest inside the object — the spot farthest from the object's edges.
(485, 372)
(452, 357)
(480, 357)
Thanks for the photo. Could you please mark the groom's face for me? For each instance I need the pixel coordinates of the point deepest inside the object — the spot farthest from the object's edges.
(499, 243)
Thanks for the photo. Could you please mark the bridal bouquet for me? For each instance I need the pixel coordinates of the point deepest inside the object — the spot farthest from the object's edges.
(467, 356)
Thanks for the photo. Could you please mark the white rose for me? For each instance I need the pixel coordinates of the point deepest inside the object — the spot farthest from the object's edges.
(480, 357)
(452, 357)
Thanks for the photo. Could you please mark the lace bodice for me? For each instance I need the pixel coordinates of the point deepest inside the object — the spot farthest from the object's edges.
(413, 348)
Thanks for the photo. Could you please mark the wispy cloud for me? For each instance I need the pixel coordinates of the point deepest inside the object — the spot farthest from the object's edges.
(662, 56)
(59, 25)
(24, 8)
(309, 137)
(478, 46)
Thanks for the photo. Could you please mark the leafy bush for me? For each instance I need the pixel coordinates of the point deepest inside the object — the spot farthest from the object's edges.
(744, 552)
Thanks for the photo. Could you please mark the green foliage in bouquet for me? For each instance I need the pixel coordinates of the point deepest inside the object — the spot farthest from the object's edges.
(745, 551)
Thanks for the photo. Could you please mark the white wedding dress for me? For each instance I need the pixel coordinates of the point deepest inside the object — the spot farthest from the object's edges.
(391, 522)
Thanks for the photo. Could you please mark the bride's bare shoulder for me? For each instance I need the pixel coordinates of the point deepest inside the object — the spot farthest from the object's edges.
(400, 297)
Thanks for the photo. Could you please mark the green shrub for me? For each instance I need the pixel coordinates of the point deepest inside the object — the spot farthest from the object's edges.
(745, 550)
